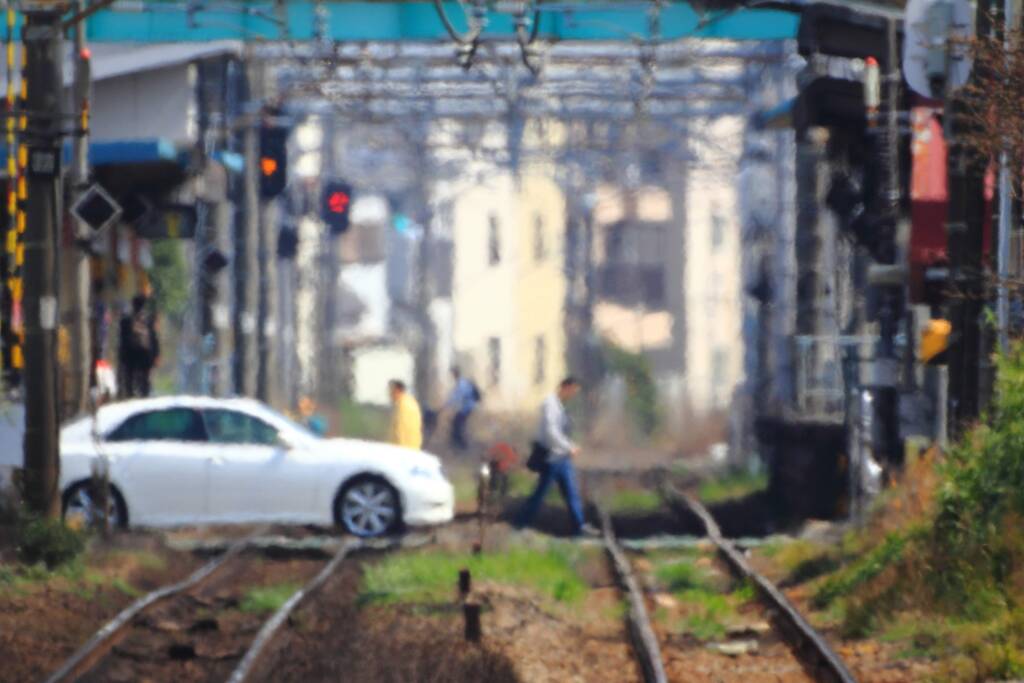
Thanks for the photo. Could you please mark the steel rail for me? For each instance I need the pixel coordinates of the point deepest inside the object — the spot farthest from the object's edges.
(266, 633)
(645, 643)
(832, 663)
(92, 651)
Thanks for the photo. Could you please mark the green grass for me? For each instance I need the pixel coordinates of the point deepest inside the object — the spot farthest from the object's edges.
(683, 576)
(634, 500)
(860, 572)
(522, 482)
(431, 577)
(801, 560)
(709, 607)
(465, 485)
(732, 486)
(126, 588)
(362, 422)
(267, 598)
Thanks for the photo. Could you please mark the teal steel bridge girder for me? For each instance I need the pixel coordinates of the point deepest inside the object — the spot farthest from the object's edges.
(159, 21)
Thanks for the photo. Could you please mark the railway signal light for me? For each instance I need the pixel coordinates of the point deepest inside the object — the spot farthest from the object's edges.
(335, 206)
(934, 340)
(287, 242)
(273, 166)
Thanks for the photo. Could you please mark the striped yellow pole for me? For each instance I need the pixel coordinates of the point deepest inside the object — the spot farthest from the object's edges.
(20, 154)
(11, 356)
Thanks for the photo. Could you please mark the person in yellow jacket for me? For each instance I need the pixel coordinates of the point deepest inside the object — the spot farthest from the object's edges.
(406, 419)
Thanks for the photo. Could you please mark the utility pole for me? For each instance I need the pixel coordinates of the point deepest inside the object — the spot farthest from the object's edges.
(888, 275)
(327, 376)
(426, 372)
(245, 264)
(1006, 203)
(44, 92)
(81, 338)
(965, 246)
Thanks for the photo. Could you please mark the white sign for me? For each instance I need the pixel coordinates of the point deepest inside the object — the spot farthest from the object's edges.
(48, 312)
(936, 44)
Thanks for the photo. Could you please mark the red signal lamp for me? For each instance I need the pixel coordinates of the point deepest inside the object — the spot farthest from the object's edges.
(268, 165)
(337, 201)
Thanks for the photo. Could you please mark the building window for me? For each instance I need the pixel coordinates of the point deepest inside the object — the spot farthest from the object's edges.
(493, 241)
(494, 360)
(539, 248)
(719, 367)
(717, 228)
(539, 358)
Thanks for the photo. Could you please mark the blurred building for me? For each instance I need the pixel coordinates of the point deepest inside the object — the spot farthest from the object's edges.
(667, 270)
(160, 146)
(508, 288)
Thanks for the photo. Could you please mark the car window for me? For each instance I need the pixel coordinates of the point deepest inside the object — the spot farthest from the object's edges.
(173, 424)
(230, 426)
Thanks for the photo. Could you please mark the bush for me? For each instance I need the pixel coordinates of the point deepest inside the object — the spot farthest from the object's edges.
(641, 393)
(48, 541)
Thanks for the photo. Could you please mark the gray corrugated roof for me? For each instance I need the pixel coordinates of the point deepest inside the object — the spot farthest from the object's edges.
(110, 60)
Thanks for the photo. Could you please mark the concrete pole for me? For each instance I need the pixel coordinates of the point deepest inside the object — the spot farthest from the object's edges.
(327, 377)
(245, 263)
(426, 372)
(43, 42)
(81, 339)
(1005, 207)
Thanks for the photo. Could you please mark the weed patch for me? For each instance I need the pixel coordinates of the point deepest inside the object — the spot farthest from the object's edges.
(708, 607)
(48, 541)
(430, 577)
(267, 598)
(634, 500)
(731, 487)
(860, 572)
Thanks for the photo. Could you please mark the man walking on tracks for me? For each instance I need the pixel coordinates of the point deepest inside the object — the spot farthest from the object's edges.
(551, 457)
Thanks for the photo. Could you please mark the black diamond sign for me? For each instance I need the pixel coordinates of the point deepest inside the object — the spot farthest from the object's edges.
(96, 208)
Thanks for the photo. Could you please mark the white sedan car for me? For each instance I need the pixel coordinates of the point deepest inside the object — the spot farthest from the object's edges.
(192, 460)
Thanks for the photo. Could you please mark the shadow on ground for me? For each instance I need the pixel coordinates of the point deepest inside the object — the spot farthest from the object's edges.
(756, 515)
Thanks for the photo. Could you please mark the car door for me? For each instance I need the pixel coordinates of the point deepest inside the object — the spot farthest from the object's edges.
(252, 477)
(161, 460)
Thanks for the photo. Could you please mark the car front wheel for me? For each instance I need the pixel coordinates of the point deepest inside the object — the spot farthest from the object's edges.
(81, 506)
(368, 507)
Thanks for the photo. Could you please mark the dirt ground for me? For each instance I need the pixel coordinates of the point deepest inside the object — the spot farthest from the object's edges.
(43, 624)
(525, 639)
(200, 635)
(331, 638)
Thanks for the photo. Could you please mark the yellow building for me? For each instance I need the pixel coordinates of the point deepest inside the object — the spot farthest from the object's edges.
(508, 294)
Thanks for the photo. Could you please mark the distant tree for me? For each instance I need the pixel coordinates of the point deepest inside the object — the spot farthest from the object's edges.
(170, 278)
(994, 97)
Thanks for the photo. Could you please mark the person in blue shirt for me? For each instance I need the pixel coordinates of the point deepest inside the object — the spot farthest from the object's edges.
(462, 402)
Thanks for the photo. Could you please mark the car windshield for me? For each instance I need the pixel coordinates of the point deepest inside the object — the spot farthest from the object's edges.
(292, 427)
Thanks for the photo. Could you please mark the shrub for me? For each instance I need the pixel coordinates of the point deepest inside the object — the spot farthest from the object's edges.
(48, 541)
(641, 392)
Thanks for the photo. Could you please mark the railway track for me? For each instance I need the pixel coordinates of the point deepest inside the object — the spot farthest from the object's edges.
(819, 660)
(638, 622)
(193, 628)
(809, 645)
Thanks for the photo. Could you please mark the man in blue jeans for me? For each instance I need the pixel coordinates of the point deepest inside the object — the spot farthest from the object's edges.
(553, 436)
